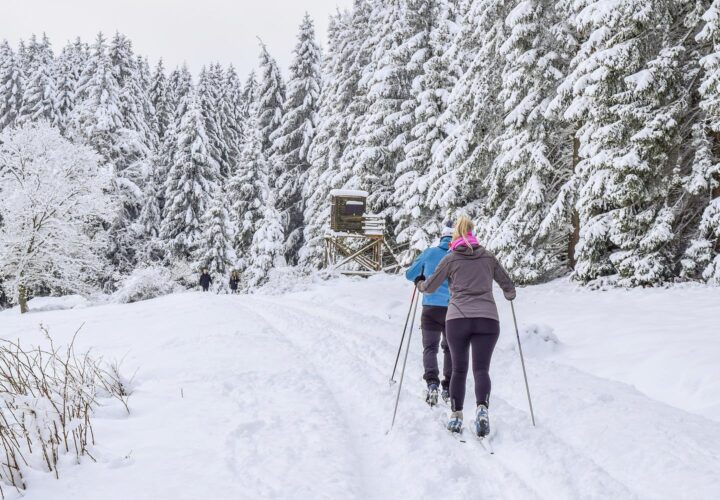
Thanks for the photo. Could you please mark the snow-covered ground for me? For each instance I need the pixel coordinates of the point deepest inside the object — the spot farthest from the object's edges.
(286, 396)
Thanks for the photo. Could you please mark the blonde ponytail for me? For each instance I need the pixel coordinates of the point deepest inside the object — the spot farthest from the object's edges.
(463, 227)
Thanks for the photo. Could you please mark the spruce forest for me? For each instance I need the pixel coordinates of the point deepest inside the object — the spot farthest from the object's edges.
(582, 137)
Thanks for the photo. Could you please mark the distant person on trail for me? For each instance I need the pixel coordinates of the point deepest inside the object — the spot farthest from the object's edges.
(234, 280)
(205, 280)
(432, 321)
(472, 319)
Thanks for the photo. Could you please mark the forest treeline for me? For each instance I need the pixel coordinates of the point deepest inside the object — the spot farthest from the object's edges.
(581, 136)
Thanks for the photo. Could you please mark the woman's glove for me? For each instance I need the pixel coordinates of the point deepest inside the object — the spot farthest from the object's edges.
(419, 279)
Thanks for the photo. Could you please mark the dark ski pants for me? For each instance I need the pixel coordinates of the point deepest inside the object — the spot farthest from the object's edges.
(480, 334)
(433, 328)
(205, 288)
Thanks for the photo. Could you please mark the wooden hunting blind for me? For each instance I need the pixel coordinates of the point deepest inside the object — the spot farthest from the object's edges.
(355, 243)
(347, 211)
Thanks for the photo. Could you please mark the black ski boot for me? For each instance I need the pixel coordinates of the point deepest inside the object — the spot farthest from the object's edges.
(482, 421)
(431, 396)
(445, 395)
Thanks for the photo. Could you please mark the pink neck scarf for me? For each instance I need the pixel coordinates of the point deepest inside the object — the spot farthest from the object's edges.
(467, 241)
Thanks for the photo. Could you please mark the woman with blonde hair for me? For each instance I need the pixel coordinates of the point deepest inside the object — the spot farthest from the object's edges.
(472, 318)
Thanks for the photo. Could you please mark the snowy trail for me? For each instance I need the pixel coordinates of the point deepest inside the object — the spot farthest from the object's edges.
(318, 339)
(549, 471)
(287, 397)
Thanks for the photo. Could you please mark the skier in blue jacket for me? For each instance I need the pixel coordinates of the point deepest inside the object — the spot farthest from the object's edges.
(432, 320)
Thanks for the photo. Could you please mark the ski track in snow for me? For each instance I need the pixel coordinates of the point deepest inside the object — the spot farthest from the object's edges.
(551, 473)
(288, 397)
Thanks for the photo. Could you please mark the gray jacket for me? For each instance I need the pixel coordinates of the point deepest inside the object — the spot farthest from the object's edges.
(470, 272)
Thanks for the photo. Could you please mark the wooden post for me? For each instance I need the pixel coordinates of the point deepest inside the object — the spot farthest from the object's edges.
(22, 299)
(574, 238)
(381, 252)
(575, 216)
(325, 254)
(715, 193)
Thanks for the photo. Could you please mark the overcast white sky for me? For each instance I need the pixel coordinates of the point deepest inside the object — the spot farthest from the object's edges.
(195, 31)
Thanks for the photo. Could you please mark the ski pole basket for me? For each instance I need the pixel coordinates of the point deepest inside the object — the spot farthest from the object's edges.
(356, 243)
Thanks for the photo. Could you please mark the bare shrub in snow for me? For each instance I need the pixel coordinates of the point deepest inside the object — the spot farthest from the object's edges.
(47, 398)
(146, 283)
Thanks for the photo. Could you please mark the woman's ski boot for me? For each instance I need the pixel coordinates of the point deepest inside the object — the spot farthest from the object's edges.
(482, 421)
(455, 422)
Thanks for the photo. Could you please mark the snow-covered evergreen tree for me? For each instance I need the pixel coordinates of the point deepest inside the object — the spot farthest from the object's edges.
(474, 115)
(249, 95)
(180, 84)
(38, 101)
(67, 70)
(215, 251)
(702, 257)
(232, 106)
(246, 193)
(533, 152)
(291, 140)
(11, 79)
(209, 91)
(160, 100)
(267, 248)
(381, 134)
(270, 97)
(190, 184)
(147, 227)
(132, 145)
(432, 30)
(628, 93)
(96, 118)
(149, 113)
(177, 95)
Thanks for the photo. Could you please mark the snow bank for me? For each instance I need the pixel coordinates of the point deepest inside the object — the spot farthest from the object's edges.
(284, 394)
(283, 280)
(538, 340)
(39, 304)
(663, 341)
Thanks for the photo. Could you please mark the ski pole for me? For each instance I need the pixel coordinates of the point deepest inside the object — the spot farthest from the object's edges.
(522, 361)
(402, 339)
(402, 373)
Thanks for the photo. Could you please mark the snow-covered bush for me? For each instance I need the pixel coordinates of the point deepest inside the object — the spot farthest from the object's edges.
(288, 279)
(48, 397)
(538, 340)
(146, 283)
(184, 274)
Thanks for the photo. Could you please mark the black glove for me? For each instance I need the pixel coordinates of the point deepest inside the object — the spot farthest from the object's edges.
(419, 279)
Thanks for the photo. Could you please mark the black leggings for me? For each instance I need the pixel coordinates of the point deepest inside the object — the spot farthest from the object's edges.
(482, 334)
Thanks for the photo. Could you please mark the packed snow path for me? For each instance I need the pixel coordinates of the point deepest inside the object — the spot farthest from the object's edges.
(287, 396)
